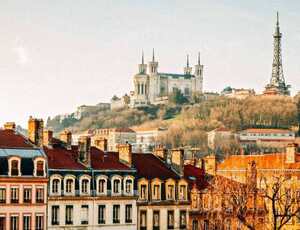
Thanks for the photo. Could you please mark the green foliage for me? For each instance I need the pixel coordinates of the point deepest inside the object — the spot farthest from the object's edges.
(177, 97)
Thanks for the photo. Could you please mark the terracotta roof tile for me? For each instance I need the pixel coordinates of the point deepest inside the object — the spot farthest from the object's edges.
(266, 161)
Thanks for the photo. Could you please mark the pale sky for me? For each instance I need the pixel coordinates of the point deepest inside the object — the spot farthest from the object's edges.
(56, 55)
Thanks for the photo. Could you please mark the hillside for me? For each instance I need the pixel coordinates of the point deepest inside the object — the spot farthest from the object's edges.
(188, 123)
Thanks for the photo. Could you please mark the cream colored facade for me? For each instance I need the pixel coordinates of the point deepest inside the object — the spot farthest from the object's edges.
(153, 87)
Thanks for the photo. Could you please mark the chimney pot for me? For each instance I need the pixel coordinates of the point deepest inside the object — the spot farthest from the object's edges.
(10, 126)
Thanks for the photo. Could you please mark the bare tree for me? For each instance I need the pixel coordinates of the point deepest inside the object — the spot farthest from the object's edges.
(283, 203)
(242, 201)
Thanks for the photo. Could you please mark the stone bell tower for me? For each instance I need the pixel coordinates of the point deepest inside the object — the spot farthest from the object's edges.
(198, 76)
(153, 65)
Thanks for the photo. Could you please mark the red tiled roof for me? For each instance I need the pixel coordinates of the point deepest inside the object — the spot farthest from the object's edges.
(61, 158)
(265, 161)
(12, 139)
(108, 160)
(150, 167)
(267, 130)
(123, 130)
(195, 176)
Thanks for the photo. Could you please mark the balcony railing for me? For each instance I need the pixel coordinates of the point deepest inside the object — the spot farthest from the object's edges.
(95, 193)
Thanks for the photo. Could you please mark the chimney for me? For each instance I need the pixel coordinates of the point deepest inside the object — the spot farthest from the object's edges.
(210, 164)
(35, 130)
(291, 151)
(47, 137)
(161, 152)
(125, 154)
(10, 126)
(177, 160)
(66, 137)
(84, 149)
(101, 143)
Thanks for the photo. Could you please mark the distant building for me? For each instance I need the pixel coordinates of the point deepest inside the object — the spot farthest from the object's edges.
(147, 138)
(218, 135)
(237, 93)
(119, 103)
(154, 87)
(114, 137)
(23, 182)
(84, 109)
(266, 137)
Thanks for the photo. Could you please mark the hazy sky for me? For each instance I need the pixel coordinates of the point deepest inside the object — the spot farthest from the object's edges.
(56, 55)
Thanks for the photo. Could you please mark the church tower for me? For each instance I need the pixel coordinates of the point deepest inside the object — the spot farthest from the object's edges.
(153, 65)
(187, 69)
(143, 66)
(277, 83)
(198, 76)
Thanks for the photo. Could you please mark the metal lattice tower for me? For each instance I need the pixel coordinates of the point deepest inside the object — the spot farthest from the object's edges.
(277, 78)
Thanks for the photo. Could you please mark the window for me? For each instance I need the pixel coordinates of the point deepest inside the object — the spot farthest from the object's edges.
(116, 186)
(14, 168)
(182, 192)
(69, 186)
(128, 213)
(84, 186)
(39, 195)
(101, 186)
(55, 185)
(55, 215)
(39, 222)
(116, 214)
(182, 221)
(195, 225)
(143, 220)
(227, 224)
(128, 186)
(156, 220)
(101, 214)
(40, 168)
(69, 214)
(14, 195)
(186, 91)
(170, 219)
(2, 195)
(14, 223)
(26, 222)
(156, 194)
(206, 225)
(143, 192)
(27, 195)
(2, 223)
(170, 192)
(84, 214)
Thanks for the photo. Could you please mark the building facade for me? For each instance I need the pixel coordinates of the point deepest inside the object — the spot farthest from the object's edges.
(148, 139)
(153, 87)
(163, 201)
(266, 137)
(23, 182)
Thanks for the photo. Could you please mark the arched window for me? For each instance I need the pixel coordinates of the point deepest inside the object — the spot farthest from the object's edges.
(101, 186)
(195, 225)
(15, 168)
(84, 186)
(55, 185)
(128, 186)
(69, 185)
(116, 186)
(40, 168)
